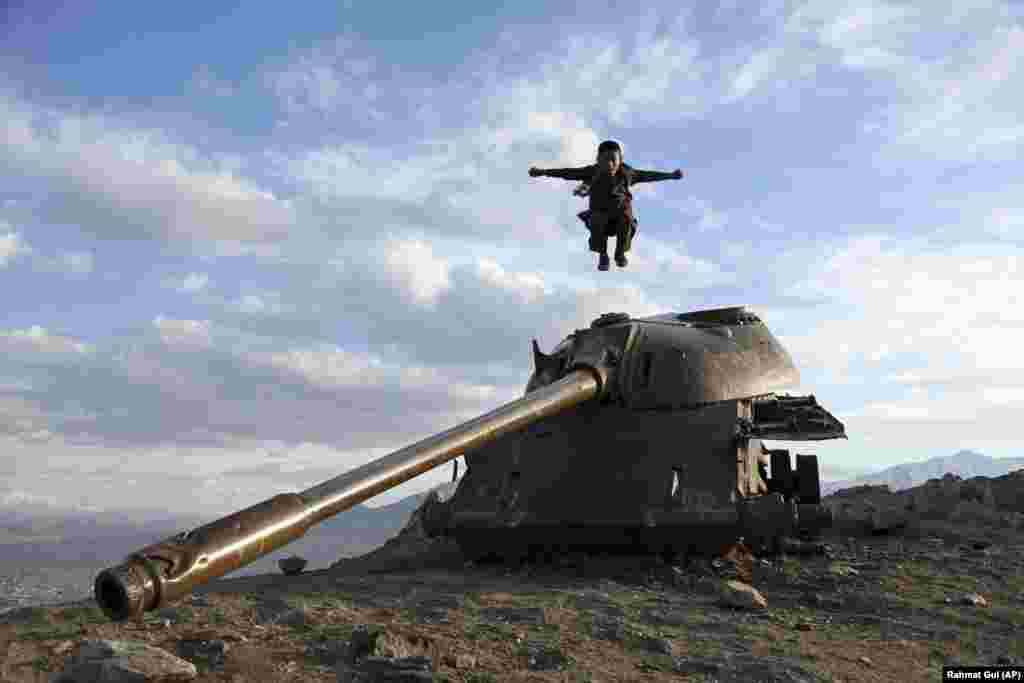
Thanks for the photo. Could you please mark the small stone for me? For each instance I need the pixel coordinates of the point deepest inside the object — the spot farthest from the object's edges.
(541, 657)
(742, 595)
(276, 611)
(210, 653)
(513, 615)
(465, 662)
(608, 628)
(655, 645)
(804, 626)
(292, 565)
(168, 615)
(23, 615)
(361, 643)
(864, 660)
(974, 600)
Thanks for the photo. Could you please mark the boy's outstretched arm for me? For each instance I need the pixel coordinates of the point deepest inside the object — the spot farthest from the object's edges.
(652, 176)
(582, 173)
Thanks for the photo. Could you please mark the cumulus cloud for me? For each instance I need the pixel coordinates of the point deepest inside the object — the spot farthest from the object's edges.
(11, 246)
(39, 340)
(183, 334)
(948, 319)
(193, 283)
(119, 181)
(412, 265)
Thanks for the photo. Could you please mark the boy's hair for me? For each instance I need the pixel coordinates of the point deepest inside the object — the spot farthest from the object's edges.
(609, 146)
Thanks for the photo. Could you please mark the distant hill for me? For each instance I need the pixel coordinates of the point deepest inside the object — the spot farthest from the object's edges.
(965, 464)
(34, 537)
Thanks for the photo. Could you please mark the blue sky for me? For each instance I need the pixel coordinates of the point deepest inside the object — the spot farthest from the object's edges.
(246, 248)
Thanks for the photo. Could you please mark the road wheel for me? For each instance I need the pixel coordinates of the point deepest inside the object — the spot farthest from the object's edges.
(782, 473)
(808, 480)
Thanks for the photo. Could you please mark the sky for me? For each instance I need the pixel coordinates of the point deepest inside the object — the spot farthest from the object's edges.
(247, 247)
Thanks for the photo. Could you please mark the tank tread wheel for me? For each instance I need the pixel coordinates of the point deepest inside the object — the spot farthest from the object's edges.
(808, 480)
(782, 473)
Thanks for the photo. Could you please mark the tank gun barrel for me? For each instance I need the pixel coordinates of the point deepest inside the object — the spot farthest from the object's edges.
(168, 570)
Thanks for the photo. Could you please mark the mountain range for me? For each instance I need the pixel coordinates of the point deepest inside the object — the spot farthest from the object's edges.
(965, 464)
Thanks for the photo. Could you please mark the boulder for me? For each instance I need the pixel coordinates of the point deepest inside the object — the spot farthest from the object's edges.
(277, 611)
(387, 670)
(292, 565)
(742, 596)
(123, 661)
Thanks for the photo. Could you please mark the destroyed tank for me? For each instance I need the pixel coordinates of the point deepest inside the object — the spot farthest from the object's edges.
(635, 434)
(670, 460)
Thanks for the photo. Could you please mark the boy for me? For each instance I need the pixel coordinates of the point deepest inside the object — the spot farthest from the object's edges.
(611, 203)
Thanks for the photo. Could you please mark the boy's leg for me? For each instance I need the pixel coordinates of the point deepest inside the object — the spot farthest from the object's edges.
(623, 235)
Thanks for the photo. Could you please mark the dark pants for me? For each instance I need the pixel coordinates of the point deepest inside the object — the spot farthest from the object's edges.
(603, 226)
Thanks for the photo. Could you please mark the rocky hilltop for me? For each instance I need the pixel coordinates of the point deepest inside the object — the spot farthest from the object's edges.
(905, 582)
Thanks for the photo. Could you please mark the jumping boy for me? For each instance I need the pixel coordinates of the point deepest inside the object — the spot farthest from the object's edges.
(611, 203)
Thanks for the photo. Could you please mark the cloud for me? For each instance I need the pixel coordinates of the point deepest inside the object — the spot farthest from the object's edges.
(932, 331)
(529, 287)
(412, 265)
(192, 283)
(12, 246)
(38, 340)
(77, 264)
(184, 334)
(115, 180)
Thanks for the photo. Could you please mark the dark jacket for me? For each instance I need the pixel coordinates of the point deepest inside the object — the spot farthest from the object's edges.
(609, 194)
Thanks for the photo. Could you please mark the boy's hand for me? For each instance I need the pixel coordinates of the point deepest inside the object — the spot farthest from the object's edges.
(677, 174)
(534, 171)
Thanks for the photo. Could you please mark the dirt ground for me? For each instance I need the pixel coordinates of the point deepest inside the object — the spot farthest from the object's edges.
(868, 609)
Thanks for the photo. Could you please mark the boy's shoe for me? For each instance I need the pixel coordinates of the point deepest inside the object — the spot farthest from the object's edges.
(602, 262)
(621, 261)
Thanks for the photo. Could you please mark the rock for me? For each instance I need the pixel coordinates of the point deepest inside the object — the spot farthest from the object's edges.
(198, 601)
(361, 643)
(805, 626)
(430, 616)
(742, 668)
(206, 654)
(533, 616)
(465, 662)
(542, 657)
(169, 614)
(388, 670)
(795, 546)
(742, 595)
(864, 660)
(737, 564)
(656, 645)
(123, 661)
(974, 600)
(825, 601)
(277, 611)
(607, 628)
(292, 565)
(327, 654)
(666, 617)
(24, 615)
(21, 661)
